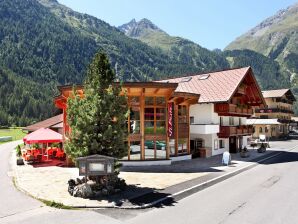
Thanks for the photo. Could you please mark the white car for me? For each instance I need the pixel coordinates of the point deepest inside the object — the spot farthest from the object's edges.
(135, 148)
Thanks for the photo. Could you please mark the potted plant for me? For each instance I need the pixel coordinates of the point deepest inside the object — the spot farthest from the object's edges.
(20, 160)
(262, 148)
(244, 152)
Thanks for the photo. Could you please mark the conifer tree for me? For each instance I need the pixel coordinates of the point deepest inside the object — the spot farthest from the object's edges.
(98, 120)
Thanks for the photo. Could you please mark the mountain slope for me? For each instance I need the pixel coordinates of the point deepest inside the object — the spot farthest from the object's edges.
(132, 59)
(177, 48)
(22, 100)
(275, 37)
(48, 44)
(264, 68)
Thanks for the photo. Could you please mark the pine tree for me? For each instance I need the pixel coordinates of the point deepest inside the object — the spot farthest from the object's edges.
(98, 120)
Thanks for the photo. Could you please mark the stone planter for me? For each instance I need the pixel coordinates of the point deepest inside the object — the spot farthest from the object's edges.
(20, 161)
(261, 149)
(244, 154)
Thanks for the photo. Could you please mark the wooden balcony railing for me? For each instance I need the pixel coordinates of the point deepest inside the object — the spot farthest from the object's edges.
(227, 131)
(274, 110)
(225, 109)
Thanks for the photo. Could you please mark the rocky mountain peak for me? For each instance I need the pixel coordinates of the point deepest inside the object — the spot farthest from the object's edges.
(136, 29)
(261, 28)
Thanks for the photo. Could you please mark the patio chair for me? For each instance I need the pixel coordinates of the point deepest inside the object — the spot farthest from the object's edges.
(60, 154)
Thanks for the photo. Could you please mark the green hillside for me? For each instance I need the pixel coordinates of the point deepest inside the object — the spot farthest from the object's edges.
(23, 101)
(48, 44)
(179, 49)
(275, 37)
(264, 68)
(44, 44)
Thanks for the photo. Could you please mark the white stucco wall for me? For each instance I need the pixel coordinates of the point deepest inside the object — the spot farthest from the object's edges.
(220, 150)
(204, 114)
(209, 142)
(245, 140)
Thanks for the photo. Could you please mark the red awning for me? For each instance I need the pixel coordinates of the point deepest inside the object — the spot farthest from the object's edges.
(43, 135)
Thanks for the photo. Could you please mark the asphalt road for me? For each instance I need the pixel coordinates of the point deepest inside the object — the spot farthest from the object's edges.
(268, 193)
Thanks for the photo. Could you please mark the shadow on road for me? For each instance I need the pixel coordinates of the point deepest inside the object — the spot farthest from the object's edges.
(137, 196)
(284, 157)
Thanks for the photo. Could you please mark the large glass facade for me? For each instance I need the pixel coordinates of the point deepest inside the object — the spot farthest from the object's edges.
(183, 125)
(147, 125)
(155, 127)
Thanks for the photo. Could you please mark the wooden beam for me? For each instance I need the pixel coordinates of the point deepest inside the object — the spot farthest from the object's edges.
(156, 91)
(128, 131)
(179, 100)
(188, 120)
(142, 124)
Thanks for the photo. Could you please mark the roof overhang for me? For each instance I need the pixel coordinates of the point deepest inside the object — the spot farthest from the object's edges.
(253, 102)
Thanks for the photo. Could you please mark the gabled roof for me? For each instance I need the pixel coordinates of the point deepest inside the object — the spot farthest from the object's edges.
(213, 87)
(48, 123)
(279, 93)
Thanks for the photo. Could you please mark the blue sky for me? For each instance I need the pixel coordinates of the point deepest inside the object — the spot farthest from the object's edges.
(210, 23)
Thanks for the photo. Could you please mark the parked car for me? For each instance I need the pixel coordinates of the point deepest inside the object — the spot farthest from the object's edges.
(159, 145)
(293, 135)
(135, 149)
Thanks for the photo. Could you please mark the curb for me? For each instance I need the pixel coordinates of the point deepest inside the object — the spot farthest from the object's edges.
(180, 194)
(199, 187)
(206, 184)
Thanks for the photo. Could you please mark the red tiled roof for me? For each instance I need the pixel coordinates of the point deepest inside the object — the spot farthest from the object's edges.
(59, 125)
(274, 93)
(45, 123)
(217, 87)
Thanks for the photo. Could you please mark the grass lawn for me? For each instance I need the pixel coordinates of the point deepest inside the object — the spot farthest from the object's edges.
(15, 133)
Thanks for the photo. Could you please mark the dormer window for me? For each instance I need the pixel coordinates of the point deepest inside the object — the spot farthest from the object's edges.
(203, 77)
(185, 79)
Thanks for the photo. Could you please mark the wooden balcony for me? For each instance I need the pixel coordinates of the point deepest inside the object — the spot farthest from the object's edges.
(225, 109)
(274, 110)
(227, 131)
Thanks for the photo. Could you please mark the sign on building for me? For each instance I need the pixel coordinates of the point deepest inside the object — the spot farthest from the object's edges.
(170, 120)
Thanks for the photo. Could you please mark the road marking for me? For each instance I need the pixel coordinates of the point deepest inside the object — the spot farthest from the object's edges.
(209, 182)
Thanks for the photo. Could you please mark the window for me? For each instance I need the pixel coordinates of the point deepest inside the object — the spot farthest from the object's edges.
(134, 101)
(149, 101)
(221, 143)
(192, 120)
(134, 151)
(198, 143)
(134, 116)
(261, 130)
(185, 79)
(240, 121)
(182, 145)
(155, 115)
(203, 77)
(160, 101)
(215, 144)
(221, 121)
(266, 129)
(231, 121)
(182, 114)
